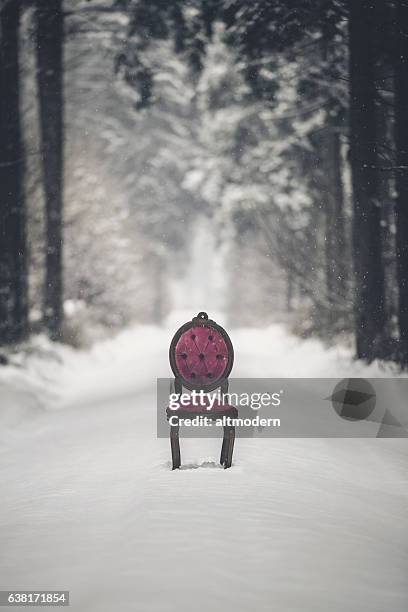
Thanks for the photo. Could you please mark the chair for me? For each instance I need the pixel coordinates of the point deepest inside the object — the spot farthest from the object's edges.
(201, 358)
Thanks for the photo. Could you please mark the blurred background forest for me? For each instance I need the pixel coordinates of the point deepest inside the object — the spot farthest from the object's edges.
(243, 157)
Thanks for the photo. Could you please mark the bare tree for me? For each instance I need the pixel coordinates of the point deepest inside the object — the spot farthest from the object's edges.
(370, 316)
(401, 140)
(50, 34)
(13, 265)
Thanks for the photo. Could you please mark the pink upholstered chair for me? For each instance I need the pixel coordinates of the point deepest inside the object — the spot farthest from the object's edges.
(201, 357)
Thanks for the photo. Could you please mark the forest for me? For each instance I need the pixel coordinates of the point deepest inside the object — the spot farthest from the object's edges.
(283, 125)
(162, 161)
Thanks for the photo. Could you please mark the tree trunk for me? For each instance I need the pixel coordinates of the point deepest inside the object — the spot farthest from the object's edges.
(158, 289)
(335, 241)
(289, 290)
(337, 195)
(334, 227)
(13, 263)
(367, 254)
(401, 138)
(50, 87)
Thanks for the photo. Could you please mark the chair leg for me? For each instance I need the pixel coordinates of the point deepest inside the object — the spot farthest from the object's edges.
(230, 448)
(224, 447)
(175, 446)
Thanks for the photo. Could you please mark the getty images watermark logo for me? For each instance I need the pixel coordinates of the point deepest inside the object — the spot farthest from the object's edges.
(353, 399)
(253, 400)
(294, 407)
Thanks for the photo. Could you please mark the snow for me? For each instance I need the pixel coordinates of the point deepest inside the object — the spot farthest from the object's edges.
(89, 502)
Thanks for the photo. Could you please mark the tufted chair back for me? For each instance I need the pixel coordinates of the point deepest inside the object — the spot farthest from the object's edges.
(201, 354)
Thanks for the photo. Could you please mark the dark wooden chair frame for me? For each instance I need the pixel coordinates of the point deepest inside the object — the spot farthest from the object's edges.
(227, 448)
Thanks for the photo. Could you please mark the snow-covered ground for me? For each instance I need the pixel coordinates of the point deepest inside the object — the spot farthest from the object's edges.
(89, 503)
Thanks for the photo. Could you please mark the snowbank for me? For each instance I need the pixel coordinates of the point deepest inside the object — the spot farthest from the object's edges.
(89, 502)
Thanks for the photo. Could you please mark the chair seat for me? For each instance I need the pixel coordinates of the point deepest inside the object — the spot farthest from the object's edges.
(202, 407)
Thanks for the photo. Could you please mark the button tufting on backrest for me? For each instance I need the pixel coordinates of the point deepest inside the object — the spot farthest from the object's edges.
(201, 354)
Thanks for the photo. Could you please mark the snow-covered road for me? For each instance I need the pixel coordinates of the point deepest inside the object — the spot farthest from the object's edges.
(89, 504)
